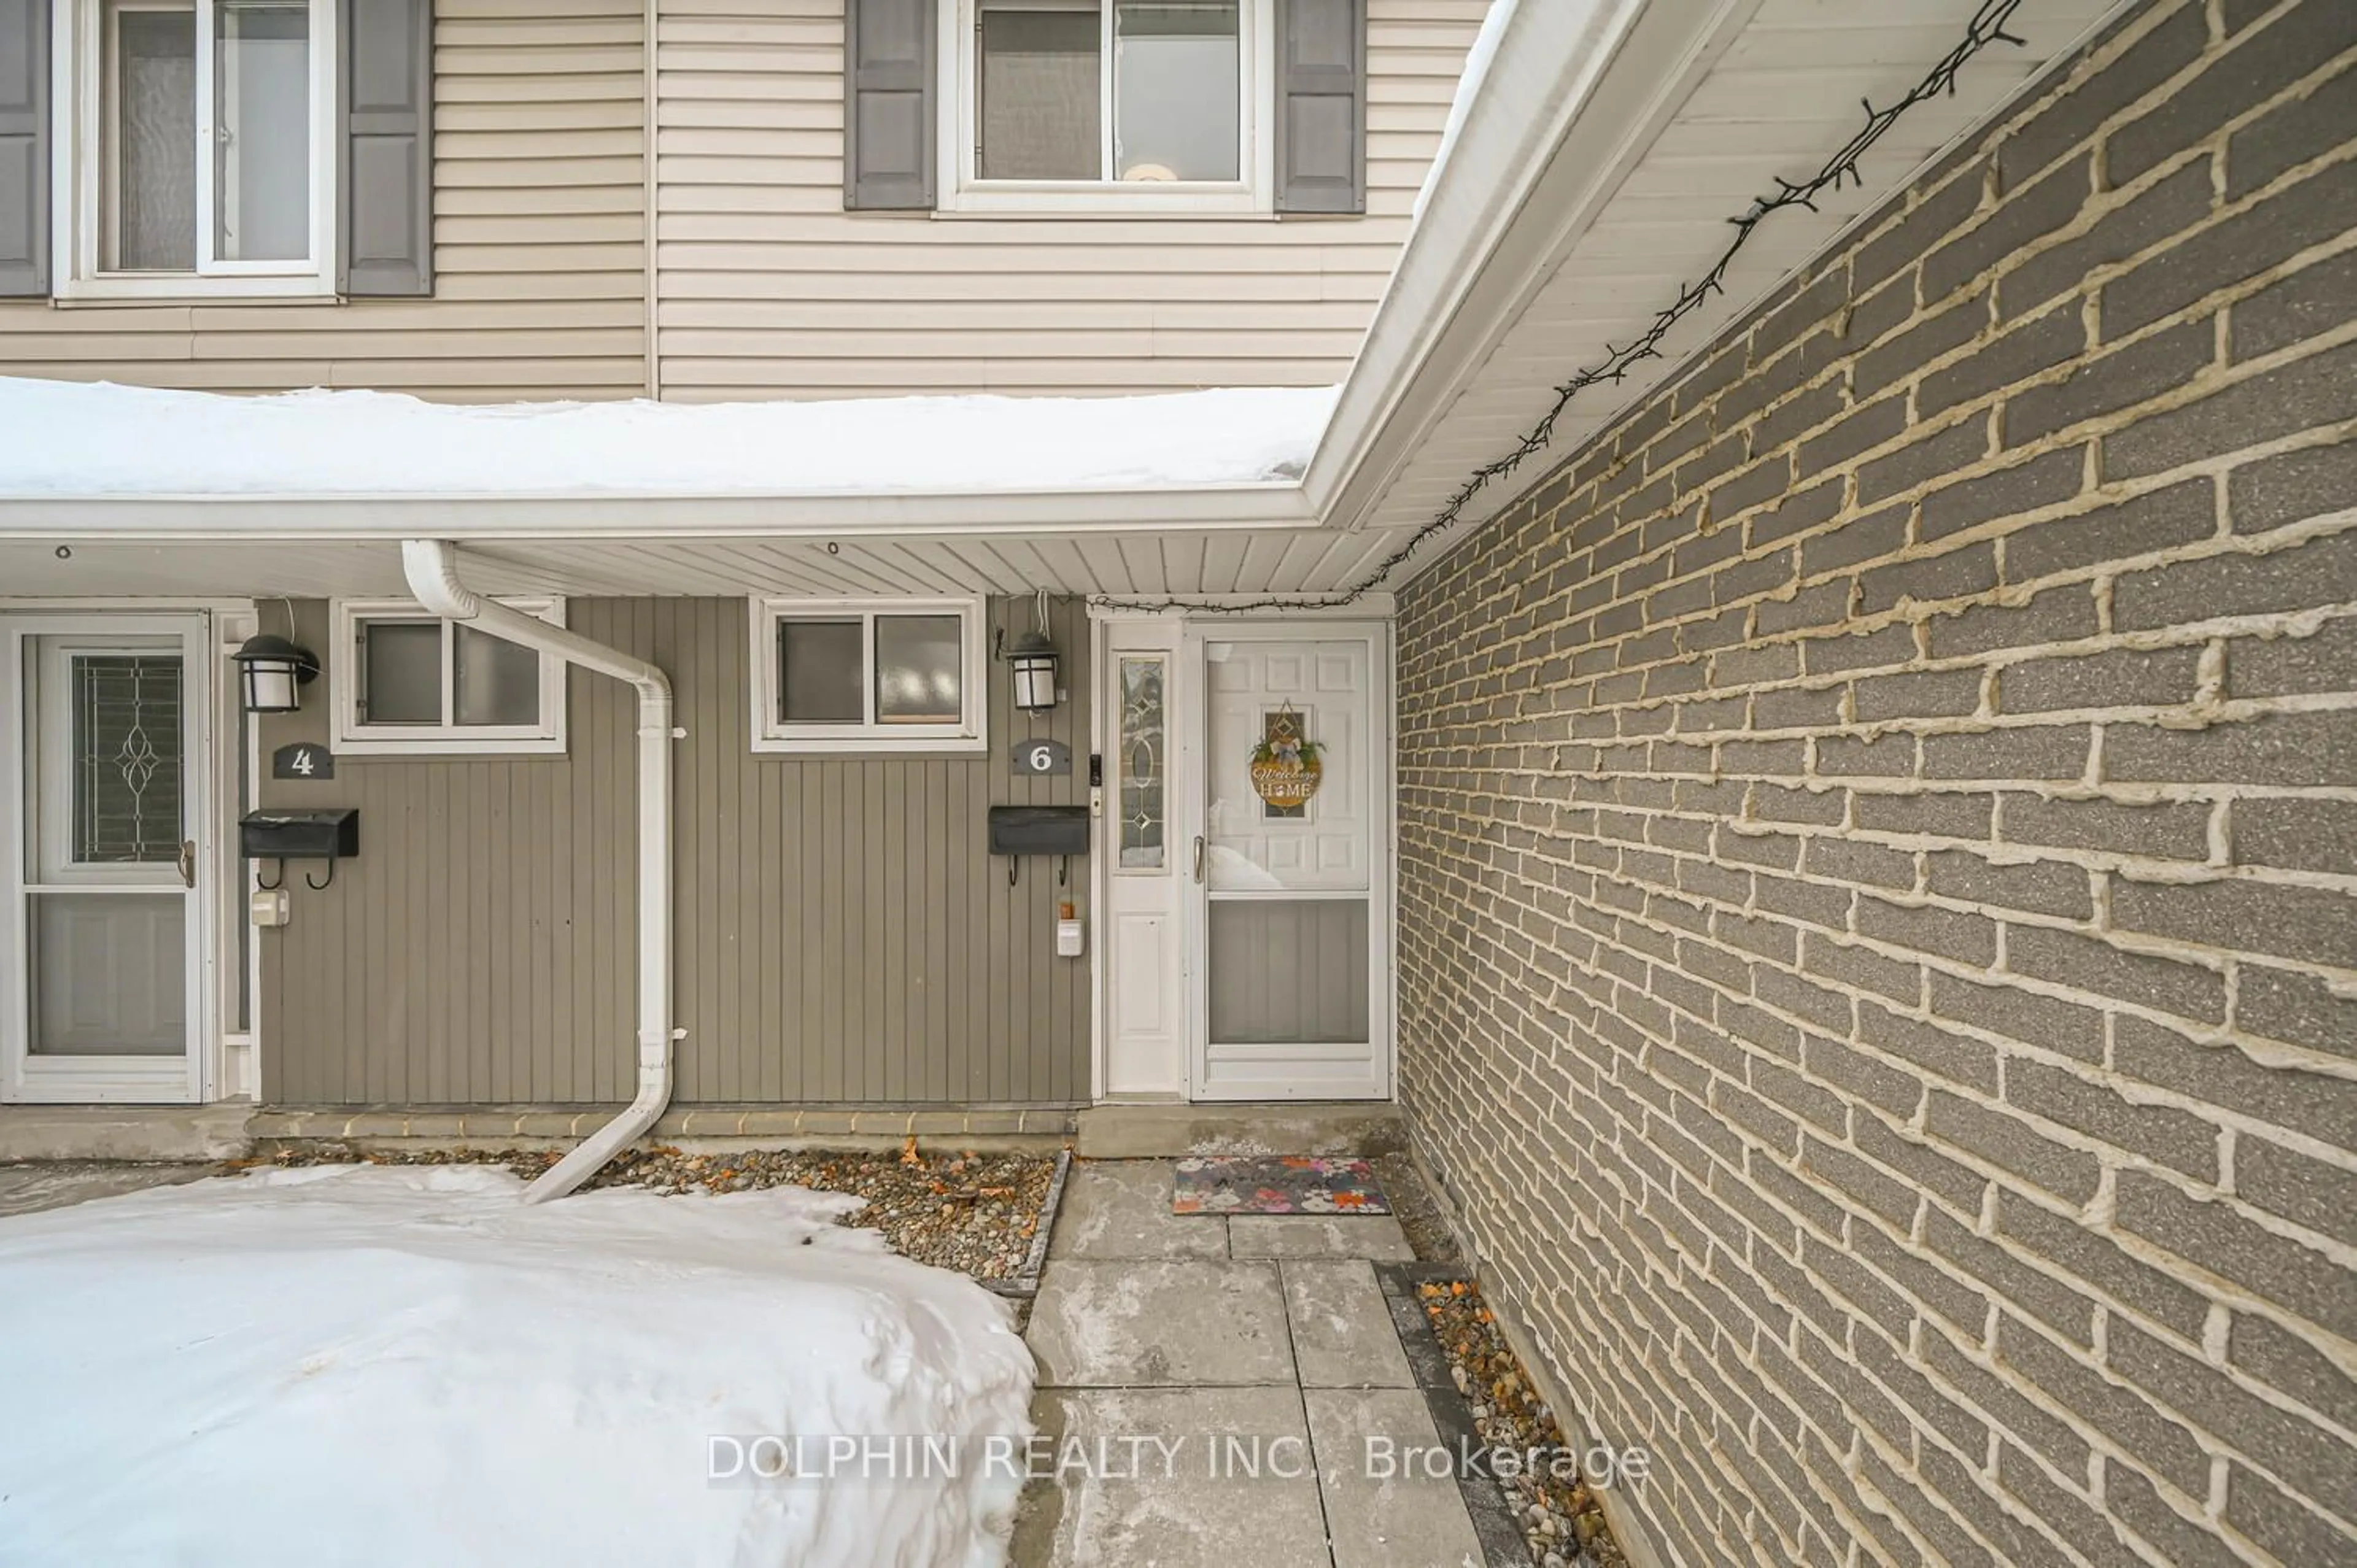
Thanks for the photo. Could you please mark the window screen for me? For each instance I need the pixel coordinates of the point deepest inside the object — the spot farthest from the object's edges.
(151, 165)
(819, 672)
(403, 660)
(1037, 102)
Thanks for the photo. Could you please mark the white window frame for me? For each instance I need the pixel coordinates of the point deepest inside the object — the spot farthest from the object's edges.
(970, 734)
(348, 734)
(964, 191)
(77, 182)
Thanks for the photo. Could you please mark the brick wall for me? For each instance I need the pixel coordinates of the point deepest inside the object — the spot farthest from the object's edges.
(1878, 841)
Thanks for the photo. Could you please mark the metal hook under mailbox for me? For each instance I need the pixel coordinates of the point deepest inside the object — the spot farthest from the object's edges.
(273, 886)
(321, 886)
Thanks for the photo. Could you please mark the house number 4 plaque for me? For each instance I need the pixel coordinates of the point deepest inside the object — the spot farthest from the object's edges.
(303, 760)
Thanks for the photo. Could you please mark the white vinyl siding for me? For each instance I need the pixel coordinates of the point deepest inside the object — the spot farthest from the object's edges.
(541, 273)
(770, 288)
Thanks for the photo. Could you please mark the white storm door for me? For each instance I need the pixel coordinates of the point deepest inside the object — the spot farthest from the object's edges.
(1291, 934)
(1145, 922)
(101, 980)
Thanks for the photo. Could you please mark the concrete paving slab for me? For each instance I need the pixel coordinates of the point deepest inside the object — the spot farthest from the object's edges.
(1342, 1332)
(1120, 1208)
(1139, 1322)
(1377, 1236)
(1382, 1516)
(57, 1184)
(1163, 1478)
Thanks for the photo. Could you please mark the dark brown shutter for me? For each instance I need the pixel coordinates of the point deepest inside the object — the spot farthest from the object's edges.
(1321, 106)
(24, 148)
(387, 158)
(888, 104)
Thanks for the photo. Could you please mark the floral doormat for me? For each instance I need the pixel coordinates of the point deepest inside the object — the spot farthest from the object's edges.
(1293, 1183)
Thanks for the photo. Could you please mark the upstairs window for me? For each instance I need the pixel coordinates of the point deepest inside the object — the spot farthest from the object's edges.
(200, 153)
(1096, 104)
(1050, 108)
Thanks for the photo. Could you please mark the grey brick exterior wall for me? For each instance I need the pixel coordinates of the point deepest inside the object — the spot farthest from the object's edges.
(1878, 847)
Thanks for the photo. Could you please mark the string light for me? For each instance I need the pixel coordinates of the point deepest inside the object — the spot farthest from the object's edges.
(1987, 26)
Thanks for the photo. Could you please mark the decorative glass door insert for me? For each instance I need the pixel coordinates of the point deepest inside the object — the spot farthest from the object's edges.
(1142, 761)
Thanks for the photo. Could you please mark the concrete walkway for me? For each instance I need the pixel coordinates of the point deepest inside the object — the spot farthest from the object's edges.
(1178, 1355)
(57, 1184)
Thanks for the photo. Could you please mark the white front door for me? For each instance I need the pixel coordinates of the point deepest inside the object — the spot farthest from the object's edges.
(102, 926)
(1289, 935)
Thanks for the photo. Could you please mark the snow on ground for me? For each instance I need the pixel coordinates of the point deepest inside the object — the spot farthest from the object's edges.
(70, 438)
(404, 1364)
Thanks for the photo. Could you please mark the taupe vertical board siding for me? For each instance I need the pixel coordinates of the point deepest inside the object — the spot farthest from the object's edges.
(965, 875)
(841, 934)
(830, 915)
(539, 286)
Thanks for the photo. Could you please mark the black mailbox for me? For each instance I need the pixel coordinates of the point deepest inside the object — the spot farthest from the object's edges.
(333, 833)
(1038, 830)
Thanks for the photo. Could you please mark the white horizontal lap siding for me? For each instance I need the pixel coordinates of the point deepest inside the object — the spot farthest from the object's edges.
(539, 243)
(770, 288)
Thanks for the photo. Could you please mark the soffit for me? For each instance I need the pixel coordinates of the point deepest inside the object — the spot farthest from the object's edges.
(1775, 91)
(1224, 562)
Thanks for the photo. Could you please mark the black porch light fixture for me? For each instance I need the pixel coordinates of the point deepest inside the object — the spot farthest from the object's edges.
(1035, 661)
(271, 671)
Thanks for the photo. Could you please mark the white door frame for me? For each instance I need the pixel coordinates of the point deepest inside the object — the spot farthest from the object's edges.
(1189, 816)
(25, 1078)
(1136, 914)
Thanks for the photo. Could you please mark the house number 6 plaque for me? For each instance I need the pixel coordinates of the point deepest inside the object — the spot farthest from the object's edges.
(1042, 757)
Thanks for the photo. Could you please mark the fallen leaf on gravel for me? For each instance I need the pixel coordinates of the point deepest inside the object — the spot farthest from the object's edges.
(906, 1198)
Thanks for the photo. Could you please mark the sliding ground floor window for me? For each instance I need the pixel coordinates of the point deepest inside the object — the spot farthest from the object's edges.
(867, 675)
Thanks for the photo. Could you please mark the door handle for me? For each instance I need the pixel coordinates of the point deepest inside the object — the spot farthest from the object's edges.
(188, 863)
(1199, 859)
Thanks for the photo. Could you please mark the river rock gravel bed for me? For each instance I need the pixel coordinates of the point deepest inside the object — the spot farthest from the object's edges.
(973, 1213)
(1561, 1520)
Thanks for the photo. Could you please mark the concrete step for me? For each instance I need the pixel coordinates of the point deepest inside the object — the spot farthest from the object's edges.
(140, 1133)
(1292, 1127)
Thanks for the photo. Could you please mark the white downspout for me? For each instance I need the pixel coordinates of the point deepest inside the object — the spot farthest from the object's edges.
(432, 568)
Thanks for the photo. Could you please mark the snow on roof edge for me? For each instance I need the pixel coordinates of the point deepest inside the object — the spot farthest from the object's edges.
(71, 439)
(1470, 80)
